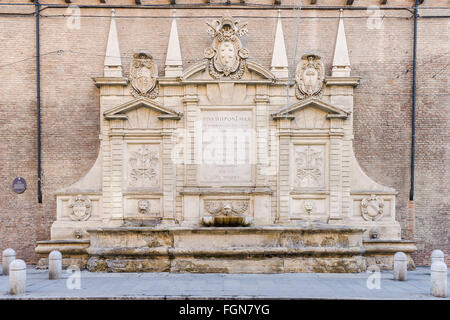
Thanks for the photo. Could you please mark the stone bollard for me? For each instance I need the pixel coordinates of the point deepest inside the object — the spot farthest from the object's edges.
(437, 255)
(17, 277)
(8, 256)
(54, 265)
(439, 279)
(400, 266)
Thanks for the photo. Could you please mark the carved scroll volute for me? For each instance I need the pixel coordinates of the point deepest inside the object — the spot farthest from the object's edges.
(226, 57)
(309, 76)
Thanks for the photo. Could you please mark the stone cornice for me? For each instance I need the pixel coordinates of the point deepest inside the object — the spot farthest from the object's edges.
(110, 81)
(333, 111)
(342, 81)
(228, 190)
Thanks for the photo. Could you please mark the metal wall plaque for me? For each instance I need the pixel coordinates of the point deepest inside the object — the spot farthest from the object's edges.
(19, 185)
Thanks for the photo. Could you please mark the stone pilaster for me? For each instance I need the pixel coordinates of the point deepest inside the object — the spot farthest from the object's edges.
(191, 146)
(284, 175)
(116, 184)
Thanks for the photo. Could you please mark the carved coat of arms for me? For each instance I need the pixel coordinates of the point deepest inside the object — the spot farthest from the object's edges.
(309, 76)
(226, 56)
(143, 74)
(372, 208)
(81, 208)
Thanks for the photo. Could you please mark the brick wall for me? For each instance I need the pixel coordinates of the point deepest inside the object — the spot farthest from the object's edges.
(70, 107)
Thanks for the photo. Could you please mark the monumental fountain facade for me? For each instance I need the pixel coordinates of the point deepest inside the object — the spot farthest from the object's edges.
(226, 166)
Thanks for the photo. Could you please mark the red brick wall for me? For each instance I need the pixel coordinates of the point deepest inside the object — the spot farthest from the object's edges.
(70, 107)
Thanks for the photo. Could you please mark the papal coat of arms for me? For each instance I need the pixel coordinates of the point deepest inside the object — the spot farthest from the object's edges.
(309, 76)
(226, 56)
(143, 74)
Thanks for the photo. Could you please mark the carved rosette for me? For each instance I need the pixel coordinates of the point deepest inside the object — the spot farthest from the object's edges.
(226, 57)
(309, 76)
(226, 213)
(372, 208)
(143, 76)
(81, 208)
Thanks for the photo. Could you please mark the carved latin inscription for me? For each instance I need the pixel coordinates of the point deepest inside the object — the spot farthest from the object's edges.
(309, 166)
(226, 147)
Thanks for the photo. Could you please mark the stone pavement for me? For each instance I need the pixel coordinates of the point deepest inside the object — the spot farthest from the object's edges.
(222, 286)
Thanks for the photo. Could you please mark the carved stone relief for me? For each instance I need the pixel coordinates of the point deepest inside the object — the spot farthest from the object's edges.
(309, 166)
(309, 76)
(143, 206)
(372, 208)
(226, 213)
(226, 56)
(81, 208)
(143, 74)
(227, 208)
(144, 166)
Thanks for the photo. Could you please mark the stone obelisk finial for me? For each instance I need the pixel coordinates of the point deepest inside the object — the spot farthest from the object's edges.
(113, 62)
(341, 61)
(279, 65)
(174, 62)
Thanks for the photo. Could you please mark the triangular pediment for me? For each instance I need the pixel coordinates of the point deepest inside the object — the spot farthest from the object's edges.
(120, 111)
(333, 111)
(254, 71)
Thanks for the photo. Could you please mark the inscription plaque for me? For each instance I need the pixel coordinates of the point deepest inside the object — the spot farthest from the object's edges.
(227, 147)
(19, 185)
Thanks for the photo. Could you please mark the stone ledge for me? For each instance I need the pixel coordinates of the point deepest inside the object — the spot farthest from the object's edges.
(232, 230)
(226, 191)
(73, 251)
(342, 81)
(381, 252)
(110, 81)
(229, 252)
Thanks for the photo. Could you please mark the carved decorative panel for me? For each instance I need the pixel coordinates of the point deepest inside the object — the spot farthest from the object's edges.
(141, 206)
(144, 165)
(224, 207)
(309, 164)
(304, 206)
